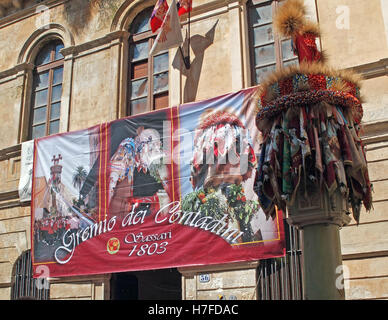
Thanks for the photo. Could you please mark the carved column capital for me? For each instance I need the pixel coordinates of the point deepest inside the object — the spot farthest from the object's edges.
(320, 208)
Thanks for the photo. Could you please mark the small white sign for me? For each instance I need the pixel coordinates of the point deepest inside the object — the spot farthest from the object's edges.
(203, 278)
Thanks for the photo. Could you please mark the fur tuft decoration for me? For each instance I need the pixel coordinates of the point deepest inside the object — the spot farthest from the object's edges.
(290, 18)
(311, 28)
(290, 21)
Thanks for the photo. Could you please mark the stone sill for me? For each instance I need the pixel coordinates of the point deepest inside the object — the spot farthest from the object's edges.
(375, 131)
(10, 152)
(364, 255)
(87, 279)
(372, 70)
(191, 271)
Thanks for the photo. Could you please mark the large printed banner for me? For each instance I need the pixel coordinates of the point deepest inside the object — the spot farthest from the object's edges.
(169, 188)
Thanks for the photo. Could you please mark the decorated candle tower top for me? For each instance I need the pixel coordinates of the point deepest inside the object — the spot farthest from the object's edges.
(291, 22)
(310, 118)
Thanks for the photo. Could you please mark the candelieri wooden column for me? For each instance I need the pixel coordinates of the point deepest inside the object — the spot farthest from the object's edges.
(312, 163)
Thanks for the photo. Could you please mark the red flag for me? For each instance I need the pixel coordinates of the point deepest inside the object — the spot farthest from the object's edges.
(170, 34)
(184, 6)
(157, 16)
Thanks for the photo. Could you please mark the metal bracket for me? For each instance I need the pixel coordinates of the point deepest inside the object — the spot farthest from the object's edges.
(186, 59)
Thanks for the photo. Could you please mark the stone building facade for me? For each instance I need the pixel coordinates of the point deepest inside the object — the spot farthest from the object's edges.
(231, 45)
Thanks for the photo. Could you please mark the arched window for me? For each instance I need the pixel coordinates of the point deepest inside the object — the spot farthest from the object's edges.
(148, 76)
(24, 286)
(46, 91)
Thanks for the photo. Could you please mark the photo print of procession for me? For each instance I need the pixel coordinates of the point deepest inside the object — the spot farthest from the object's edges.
(169, 188)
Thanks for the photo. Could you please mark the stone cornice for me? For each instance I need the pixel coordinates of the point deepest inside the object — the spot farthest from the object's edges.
(23, 13)
(365, 255)
(10, 199)
(10, 152)
(372, 70)
(375, 132)
(81, 279)
(15, 70)
(99, 43)
(212, 8)
(191, 271)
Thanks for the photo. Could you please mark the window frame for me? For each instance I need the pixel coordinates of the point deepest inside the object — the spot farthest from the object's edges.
(145, 36)
(37, 70)
(277, 40)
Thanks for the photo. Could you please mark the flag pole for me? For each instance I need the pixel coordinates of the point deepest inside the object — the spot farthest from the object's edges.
(188, 44)
(186, 59)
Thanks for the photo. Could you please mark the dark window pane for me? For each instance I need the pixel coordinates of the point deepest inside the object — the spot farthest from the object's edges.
(38, 131)
(262, 72)
(39, 115)
(263, 34)
(56, 94)
(55, 111)
(139, 106)
(58, 55)
(139, 51)
(54, 127)
(161, 63)
(139, 88)
(44, 55)
(144, 72)
(41, 98)
(141, 22)
(265, 55)
(139, 70)
(161, 82)
(161, 101)
(41, 80)
(44, 83)
(57, 76)
(287, 52)
(261, 15)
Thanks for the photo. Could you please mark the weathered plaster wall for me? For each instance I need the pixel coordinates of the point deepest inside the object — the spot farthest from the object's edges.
(353, 31)
(11, 93)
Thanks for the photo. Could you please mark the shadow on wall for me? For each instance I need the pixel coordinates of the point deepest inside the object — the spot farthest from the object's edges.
(198, 44)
